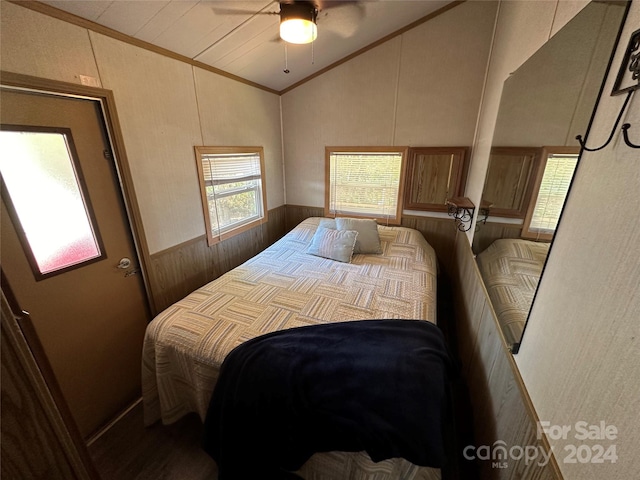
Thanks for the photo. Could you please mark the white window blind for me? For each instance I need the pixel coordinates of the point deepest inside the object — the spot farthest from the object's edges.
(233, 188)
(554, 187)
(365, 183)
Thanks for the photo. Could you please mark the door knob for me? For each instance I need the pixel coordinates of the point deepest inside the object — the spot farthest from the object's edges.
(124, 263)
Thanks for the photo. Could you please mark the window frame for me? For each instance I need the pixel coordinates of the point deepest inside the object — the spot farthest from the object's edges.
(546, 152)
(403, 151)
(221, 235)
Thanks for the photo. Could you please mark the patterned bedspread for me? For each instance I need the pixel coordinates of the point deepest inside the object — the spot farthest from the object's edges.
(511, 270)
(280, 288)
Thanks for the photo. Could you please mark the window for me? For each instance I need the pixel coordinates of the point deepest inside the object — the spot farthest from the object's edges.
(550, 191)
(41, 185)
(364, 182)
(232, 188)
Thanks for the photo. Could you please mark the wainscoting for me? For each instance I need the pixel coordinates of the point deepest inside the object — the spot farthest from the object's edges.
(297, 213)
(502, 410)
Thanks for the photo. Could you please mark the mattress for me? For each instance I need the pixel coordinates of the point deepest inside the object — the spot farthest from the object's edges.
(511, 270)
(284, 287)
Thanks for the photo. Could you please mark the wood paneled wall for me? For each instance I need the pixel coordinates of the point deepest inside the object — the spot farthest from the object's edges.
(502, 409)
(179, 270)
(297, 213)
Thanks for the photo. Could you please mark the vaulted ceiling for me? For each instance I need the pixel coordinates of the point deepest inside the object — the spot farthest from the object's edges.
(240, 38)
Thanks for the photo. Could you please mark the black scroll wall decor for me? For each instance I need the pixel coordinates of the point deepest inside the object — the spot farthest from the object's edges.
(627, 81)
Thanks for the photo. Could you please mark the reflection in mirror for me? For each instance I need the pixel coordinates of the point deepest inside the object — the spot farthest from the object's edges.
(550, 189)
(544, 105)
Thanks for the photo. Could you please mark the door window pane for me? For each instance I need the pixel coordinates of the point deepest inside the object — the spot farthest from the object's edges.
(40, 177)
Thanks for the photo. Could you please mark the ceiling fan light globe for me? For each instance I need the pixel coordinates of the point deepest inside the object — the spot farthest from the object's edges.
(298, 30)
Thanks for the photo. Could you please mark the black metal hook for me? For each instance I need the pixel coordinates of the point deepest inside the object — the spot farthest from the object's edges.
(626, 127)
(615, 127)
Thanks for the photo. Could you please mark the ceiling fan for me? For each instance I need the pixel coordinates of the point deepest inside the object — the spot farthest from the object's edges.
(298, 18)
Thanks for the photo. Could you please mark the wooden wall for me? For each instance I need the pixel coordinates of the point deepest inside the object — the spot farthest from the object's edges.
(297, 213)
(179, 270)
(502, 409)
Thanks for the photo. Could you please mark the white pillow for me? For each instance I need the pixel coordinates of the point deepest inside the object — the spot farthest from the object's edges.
(368, 238)
(333, 244)
(327, 223)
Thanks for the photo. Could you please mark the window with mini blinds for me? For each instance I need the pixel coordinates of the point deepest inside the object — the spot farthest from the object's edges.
(232, 188)
(365, 182)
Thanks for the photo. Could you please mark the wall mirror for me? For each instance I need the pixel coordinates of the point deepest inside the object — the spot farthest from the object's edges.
(544, 105)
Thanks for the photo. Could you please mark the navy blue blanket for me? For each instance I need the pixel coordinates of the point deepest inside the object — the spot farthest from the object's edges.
(373, 385)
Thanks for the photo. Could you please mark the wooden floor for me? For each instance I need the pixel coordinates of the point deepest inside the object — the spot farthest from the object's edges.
(129, 451)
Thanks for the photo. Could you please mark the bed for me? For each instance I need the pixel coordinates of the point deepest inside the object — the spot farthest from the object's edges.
(511, 271)
(281, 288)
